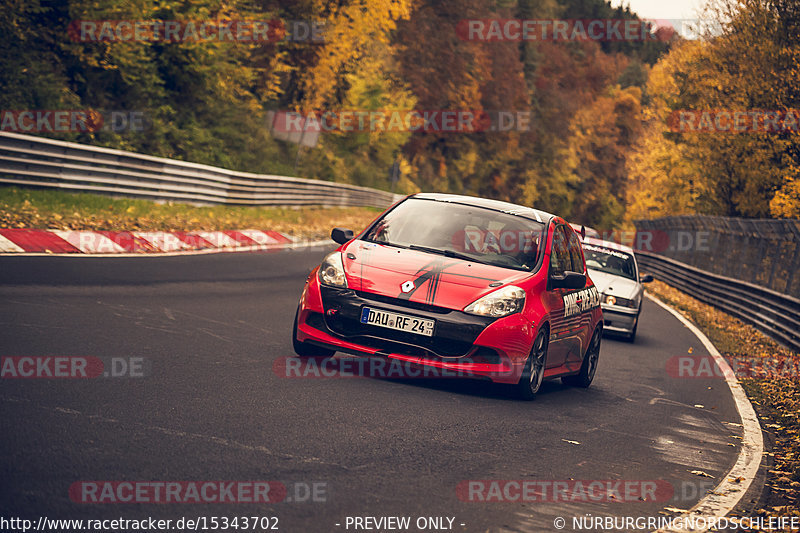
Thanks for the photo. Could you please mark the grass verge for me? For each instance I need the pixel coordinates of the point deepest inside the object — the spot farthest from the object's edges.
(767, 371)
(53, 209)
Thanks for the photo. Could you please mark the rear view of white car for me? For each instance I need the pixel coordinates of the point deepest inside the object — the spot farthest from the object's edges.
(615, 273)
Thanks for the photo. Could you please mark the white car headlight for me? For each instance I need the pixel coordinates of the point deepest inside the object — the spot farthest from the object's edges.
(621, 302)
(501, 302)
(331, 271)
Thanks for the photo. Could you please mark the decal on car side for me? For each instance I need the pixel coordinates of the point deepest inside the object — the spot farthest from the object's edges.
(609, 251)
(577, 302)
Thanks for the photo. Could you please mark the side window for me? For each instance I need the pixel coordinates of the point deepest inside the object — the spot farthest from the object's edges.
(560, 260)
(575, 253)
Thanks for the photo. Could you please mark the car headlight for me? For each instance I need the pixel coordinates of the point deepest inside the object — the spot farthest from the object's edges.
(610, 299)
(501, 302)
(331, 271)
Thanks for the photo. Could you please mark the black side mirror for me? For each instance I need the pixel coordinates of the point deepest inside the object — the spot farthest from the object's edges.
(570, 280)
(646, 278)
(341, 235)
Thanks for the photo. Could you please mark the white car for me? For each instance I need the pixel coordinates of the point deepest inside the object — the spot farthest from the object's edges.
(615, 273)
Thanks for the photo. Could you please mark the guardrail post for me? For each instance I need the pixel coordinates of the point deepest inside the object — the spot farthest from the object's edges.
(762, 253)
(793, 268)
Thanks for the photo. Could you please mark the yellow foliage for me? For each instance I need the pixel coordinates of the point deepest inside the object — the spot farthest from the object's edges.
(349, 30)
(786, 203)
(750, 65)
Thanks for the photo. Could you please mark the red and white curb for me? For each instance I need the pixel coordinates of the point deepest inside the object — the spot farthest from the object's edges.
(127, 243)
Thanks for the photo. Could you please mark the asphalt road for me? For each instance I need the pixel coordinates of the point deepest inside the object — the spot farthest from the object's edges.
(212, 408)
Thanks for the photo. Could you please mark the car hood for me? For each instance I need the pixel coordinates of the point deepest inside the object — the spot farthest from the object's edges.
(616, 285)
(436, 280)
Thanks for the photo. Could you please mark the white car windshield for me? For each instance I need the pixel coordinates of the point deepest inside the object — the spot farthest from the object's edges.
(609, 261)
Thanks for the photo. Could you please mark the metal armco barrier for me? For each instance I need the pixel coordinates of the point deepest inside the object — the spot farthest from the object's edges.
(764, 252)
(775, 314)
(38, 161)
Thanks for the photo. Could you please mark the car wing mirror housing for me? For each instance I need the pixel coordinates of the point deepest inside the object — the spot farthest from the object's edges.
(569, 280)
(646, 278)
(342, 235)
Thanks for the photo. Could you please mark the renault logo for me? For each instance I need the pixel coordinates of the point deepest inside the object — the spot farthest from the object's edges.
(408, 286)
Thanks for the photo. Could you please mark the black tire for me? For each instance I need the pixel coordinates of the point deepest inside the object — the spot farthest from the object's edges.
(304, 349)
(533, 374)
(632, 336)
(589, 367)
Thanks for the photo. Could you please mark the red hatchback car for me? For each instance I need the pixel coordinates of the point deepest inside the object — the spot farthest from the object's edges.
(481, 287)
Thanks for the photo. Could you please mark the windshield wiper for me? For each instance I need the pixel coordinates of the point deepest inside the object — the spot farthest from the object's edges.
(448, 253)
(387, 243)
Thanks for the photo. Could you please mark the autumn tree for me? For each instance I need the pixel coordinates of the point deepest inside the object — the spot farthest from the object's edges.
(748, 63)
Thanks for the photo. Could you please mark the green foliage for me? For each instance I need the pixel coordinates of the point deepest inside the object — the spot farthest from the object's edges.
(32, 71)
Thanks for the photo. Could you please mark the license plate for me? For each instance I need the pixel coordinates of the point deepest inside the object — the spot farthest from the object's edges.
(387, 319)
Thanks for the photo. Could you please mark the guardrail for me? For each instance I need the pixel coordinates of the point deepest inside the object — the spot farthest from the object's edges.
(38, 161)
(775, 314)
(764, 252)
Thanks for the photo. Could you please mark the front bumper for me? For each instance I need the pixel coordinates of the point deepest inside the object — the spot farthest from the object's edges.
(467, 345)
(618, 319)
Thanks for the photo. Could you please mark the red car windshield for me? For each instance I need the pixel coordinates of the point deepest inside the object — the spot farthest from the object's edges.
(463, 231)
